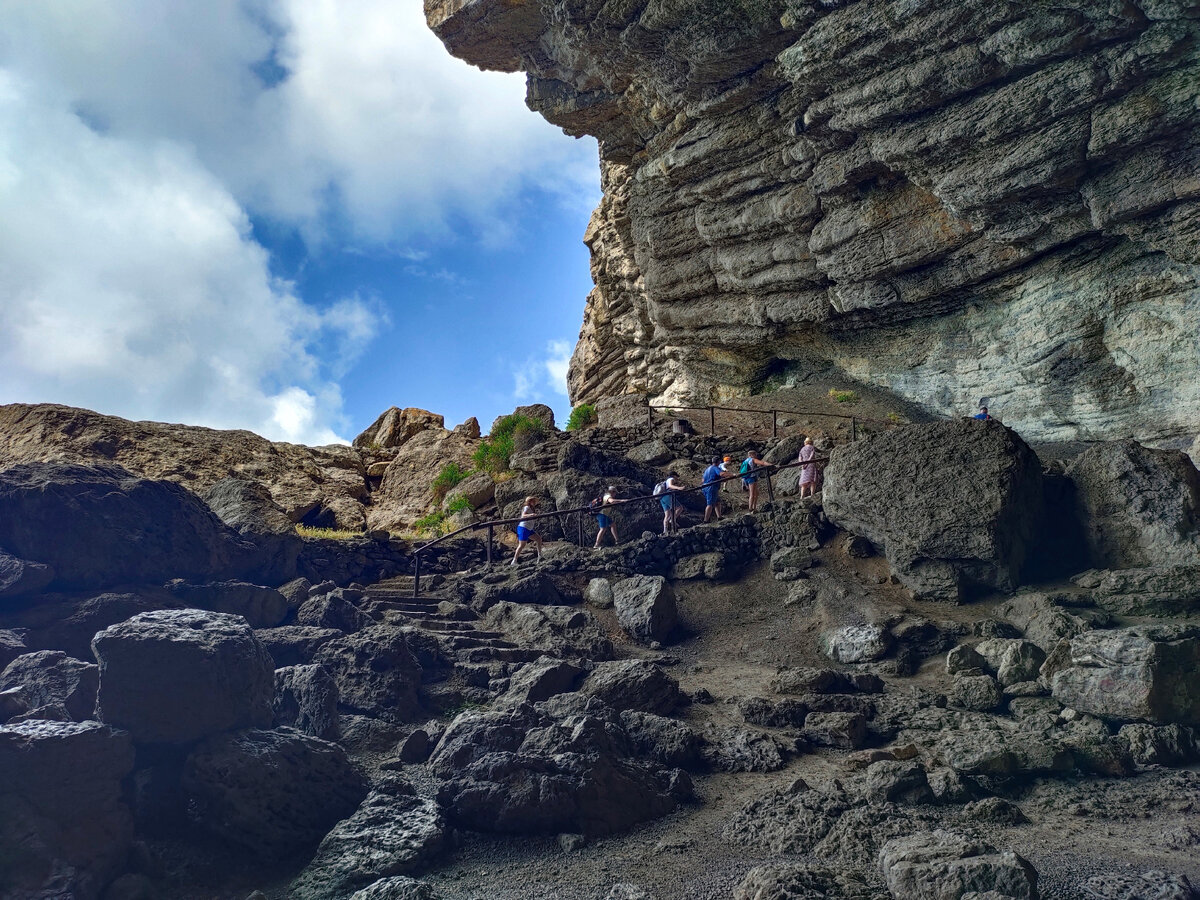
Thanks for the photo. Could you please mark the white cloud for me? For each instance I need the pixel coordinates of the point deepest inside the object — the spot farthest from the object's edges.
(557, 363)
(536, 378)
(137, 135)
(130, 284)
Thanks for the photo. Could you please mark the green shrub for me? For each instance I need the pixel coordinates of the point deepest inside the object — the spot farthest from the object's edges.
(842, 396)
(458, 503)
(582, 416)
(495, 450)
(327, 534)
(450, 475)
(432, 524)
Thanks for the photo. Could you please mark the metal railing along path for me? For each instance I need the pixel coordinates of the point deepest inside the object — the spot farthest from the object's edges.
(584, 511)
(854, 421)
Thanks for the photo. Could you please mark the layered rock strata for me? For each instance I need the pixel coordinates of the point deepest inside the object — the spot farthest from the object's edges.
(980, 199)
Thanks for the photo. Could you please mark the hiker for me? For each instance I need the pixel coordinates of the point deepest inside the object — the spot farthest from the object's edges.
(712, 478)
(982, 415)
(726, 470)
(665, 491)
(604, 519)
(525, 534)
(808, 471)
(749, 479)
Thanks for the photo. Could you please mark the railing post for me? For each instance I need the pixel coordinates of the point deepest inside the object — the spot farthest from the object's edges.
(417, 576)
(774, 423)
(489, 546)
(853, 428)
(712, 421)
(649, 415)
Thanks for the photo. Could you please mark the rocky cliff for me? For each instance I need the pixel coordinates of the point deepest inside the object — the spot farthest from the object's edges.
(949, 200)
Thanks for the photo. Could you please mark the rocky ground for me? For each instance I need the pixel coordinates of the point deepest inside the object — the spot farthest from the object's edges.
(961, 671)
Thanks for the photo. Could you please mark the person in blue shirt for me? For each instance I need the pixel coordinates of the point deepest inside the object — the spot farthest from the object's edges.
(712, 477)
(982, 415)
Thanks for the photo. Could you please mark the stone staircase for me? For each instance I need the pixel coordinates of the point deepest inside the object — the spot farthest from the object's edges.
(438, 613)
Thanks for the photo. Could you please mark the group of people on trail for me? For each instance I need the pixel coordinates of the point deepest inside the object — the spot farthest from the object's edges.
(714, 480)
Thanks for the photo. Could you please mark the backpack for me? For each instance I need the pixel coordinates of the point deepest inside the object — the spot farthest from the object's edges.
(596, 505)
(660, 489)
(747, 465)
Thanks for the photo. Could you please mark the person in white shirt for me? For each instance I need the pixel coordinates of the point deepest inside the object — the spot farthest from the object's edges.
(525, 533)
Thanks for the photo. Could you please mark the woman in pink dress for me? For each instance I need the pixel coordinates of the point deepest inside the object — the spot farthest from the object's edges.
(808, 472)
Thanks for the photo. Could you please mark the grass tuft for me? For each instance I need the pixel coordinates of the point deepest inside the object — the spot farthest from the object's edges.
(842, 396)
(327, 534)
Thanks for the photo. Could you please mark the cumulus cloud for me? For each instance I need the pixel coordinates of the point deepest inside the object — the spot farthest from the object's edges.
(541, 378)
(138, 136)
(130, 285)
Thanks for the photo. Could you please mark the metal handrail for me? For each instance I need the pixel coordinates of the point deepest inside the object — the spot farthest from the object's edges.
(767, 471)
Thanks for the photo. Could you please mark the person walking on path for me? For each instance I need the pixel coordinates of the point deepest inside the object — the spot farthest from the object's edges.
(726, 469)
(808, 471)
(525, 534)
(750, 479)
(712, 486)
(666, 498)
(604, 517)
(983, 415)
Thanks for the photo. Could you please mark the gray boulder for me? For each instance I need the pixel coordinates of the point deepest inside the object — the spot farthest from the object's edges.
(397, 887)
(20, 577)
(953, 505)
(1140, 507)
(295, 645)
(306, 697)
(599, 593)
(667, 741)
(856, 643)
(1161, 745)
(333, 610)
(844, 730)
(51, 678)
(392, 832)
(262, 607)
(634, 684)
(175, 676)
(1011, 660)
(1152, 885)
(977, 692)
(273, 792)
(540, 680)
(941, 865)
(69, 622)
(1134, 674)
(560, 766)
(65, 830)
(1150, 591)
(99, 526)
(559, 630)
(802, 881)
(646, 607)
(376, 673)
(12, 645)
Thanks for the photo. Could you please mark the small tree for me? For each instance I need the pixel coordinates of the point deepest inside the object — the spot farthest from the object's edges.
(582, 416)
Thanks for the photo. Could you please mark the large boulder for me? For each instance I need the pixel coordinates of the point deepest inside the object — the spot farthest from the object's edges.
(295, 645)
(262, 607)
(646, 607)
(51, 678)
(396, 426)
(306, 697)
(20, 577)
(175, 676)
(376, 673)
(954, 505)
(99, 526)
(68, 622)
(273, 792)
(1141, 507)
(560, 630)
(332, 610)
(405, 493)
(392, 832)
(634, 684)
(560, 766)
(64, 829)
(248, 507)
(12, 645)
(1147, 674)
(941, 865)
(802, 881)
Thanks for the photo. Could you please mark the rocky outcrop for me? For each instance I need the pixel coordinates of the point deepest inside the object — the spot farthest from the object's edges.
(99, 526)
(952, 202)
(941, 865)
(306, 482)
(954, 505)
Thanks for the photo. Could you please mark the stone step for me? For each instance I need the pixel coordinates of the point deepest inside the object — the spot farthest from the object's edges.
(499, 654)
(467, 641)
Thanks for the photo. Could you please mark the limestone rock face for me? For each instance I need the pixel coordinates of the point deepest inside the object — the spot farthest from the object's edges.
(949, 201)
(954, 505)
(395, 426)
(301, 480)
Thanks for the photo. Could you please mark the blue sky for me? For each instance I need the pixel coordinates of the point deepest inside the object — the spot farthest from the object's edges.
(282, 215)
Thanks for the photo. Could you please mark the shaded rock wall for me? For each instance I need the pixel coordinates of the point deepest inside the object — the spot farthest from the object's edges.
(952, 201)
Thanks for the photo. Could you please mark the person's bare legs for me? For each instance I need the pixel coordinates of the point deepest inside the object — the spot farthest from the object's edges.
(538, 541)
(599, 538)
(612, 529)
(753, 496)
(517, 555)
(666, 521)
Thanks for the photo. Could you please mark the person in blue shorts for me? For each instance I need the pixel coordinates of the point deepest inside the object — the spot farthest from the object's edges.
(712, 478)
(749, 478)
(525, 533)
(668, 502)
(604, 516)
